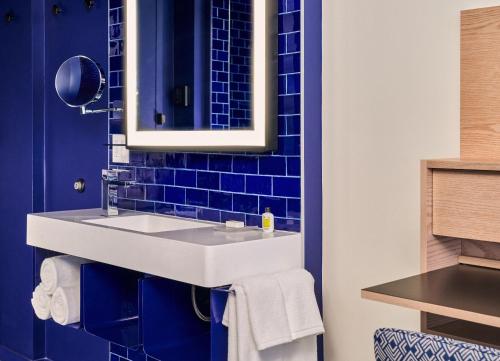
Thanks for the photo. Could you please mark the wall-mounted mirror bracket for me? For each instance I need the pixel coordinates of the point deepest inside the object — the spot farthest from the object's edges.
(85, 111)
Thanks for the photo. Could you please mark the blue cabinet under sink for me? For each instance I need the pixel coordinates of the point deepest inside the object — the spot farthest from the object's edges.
(151, 314)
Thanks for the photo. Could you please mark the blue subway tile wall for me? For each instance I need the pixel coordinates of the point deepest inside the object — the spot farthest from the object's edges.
(240, 63)
(213, 186)
(220, 64)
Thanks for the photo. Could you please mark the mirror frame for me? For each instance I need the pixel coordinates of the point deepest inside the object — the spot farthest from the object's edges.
(264, 135)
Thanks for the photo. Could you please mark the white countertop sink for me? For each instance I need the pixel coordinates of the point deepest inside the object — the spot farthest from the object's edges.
(190, 251)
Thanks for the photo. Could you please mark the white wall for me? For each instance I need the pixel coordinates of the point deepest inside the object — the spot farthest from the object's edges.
(391, 98)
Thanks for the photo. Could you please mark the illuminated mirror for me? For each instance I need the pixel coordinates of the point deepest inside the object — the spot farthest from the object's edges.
(201, 74)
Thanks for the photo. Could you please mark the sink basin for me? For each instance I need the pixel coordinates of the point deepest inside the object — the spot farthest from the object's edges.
(189, 251)
(147, 223)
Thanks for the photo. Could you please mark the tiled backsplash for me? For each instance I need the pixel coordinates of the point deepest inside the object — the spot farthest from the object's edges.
(215, 186)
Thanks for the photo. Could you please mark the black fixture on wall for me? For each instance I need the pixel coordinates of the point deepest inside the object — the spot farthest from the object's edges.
(56, 9)
(9, 16)
(89, 4)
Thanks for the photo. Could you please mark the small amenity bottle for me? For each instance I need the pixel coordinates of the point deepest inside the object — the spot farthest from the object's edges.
(268, 221)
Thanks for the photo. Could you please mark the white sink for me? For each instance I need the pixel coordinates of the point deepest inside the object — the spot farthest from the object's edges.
(147, 223)
(190, 251)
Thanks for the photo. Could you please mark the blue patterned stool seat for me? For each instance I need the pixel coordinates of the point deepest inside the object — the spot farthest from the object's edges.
(399, 345)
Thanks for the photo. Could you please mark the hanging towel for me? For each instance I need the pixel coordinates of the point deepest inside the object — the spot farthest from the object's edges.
(268, 317)
(41, 303)
(60, 271)
(257, 314)
(65, 305)
(302, 310)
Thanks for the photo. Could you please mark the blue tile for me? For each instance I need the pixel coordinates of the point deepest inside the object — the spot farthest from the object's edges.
(259, 185)
(289, 22)
(165, 208)
(126, 204)
(272, 165)
(289, 104)
(197, 161)
(115, 63)
(232, 183)
(155, 193)
(246, 203)
(293, 124)
(137, 159)
(185, 211)
(220, 200)
(293, 42)
(292, 5)
(175, 160)
(282, 6)
(145, 175)
(117, 349)
(289, 63)
(155, 160)
(290, 225)
(142, 206)
(135, 192)
(175, 195)
(289, 145)
(136, 355)
(207, 214)
(245, 164)
(293, 208)
(114, 357)
(221, 163)
(197, 197)
(165, 176)
(253, 220)
(286, 187)
(231, 216)
(293, 166)
(185, 178)
(293, 84)
(208, 180)
(277, 205)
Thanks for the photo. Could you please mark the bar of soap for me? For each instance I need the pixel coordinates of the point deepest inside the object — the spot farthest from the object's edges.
(235, 224)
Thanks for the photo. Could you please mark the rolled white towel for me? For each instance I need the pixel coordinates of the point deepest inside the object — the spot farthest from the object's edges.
(65, 305)
(41, 303)
(60, 271)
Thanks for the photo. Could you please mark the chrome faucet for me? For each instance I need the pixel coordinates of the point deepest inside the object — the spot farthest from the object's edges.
(111, 180)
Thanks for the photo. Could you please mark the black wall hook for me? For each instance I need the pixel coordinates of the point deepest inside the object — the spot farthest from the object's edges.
(56, 9)
(89, 3)
(9, 16)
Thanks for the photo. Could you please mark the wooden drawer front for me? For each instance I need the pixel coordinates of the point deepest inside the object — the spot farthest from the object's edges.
(466, 204)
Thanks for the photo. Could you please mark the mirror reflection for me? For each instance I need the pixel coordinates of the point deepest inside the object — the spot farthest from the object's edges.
(194, 64)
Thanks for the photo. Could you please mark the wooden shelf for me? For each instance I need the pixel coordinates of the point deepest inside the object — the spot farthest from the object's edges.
(468, 332)
(462, 292)
(461, 164)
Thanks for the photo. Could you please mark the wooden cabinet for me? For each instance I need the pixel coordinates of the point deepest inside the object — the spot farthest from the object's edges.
(458, 290)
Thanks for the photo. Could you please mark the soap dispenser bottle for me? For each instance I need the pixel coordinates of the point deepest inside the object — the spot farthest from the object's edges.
(268, 221)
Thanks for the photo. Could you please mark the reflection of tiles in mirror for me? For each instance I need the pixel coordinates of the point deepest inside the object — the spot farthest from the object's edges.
(220, 187)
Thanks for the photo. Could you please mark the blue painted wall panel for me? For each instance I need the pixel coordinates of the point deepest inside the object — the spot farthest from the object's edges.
(17, 323)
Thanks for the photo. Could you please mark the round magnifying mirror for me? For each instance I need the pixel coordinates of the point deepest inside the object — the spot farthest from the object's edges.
(80, 81)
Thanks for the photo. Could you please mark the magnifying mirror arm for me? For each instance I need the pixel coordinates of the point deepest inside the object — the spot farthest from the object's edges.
(85, 111)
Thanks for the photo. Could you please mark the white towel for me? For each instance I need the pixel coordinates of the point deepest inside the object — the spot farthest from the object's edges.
(65, 305)
(41, 303)
(262, 322)
(60, 271)
(302, 309)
